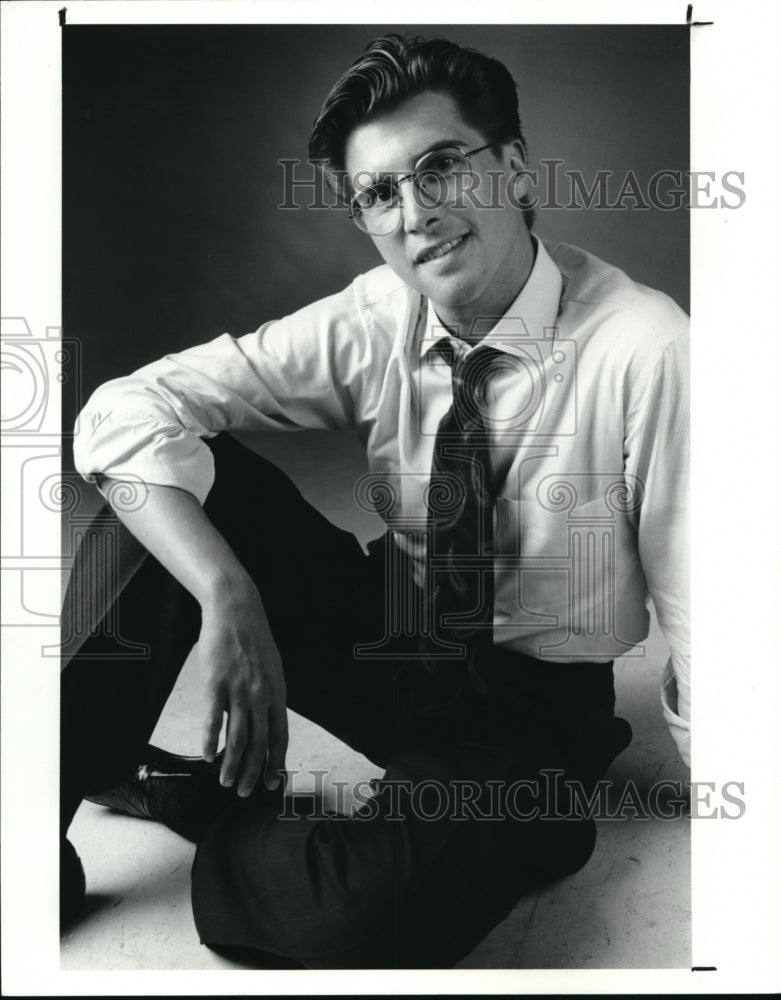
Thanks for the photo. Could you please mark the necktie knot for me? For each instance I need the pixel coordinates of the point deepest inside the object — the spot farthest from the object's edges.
(471, 375)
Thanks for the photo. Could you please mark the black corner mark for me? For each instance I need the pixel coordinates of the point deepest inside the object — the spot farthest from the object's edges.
(61, 14)
(693, 24)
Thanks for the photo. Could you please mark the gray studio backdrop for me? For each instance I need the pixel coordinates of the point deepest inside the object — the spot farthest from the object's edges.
(172, 139)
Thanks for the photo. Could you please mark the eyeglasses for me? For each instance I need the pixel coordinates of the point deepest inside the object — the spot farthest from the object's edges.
(437, 178)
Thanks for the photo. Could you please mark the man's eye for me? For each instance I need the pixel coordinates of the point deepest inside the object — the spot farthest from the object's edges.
(441, 163)
(382, 194)
(377, 196)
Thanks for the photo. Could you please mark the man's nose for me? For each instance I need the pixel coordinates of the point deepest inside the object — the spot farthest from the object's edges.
(415, 214)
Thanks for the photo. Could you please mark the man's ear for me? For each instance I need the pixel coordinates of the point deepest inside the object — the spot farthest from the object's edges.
(516, 154)
(522, 182)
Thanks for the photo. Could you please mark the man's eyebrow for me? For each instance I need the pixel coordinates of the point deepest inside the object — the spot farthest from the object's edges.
(384, 175)
(442, 144)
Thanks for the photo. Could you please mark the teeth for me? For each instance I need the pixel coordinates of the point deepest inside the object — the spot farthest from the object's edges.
(441, 251)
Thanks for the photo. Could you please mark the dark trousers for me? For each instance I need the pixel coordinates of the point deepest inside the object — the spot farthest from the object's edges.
(462, 823)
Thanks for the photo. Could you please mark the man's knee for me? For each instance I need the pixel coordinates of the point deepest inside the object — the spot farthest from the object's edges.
(568, 845)
(257, 883)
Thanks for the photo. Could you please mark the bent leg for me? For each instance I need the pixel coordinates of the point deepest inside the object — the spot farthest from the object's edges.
(316, 584)
(321, 593)
(111, 697)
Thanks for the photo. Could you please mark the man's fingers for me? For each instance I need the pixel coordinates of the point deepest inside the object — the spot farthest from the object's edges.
(235, 742)
(277, 751)
(255, 752)
(212, 730)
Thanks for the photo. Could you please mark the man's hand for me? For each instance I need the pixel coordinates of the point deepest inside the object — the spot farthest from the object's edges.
(237, 653)
(242, 669)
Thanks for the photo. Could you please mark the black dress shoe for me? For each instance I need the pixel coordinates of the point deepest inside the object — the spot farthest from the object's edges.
(72, 885)
(183, 793)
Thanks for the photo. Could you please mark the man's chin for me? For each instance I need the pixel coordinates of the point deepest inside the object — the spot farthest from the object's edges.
(450, 296)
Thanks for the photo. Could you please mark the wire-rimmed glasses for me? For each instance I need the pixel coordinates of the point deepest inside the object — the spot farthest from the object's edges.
(437, 178)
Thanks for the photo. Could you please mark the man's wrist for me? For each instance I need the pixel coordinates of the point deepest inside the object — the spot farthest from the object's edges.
(223, 589)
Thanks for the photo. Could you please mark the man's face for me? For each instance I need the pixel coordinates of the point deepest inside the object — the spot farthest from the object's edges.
(485, 270)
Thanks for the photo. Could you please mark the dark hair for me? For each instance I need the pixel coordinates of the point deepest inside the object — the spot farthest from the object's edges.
(394, 68)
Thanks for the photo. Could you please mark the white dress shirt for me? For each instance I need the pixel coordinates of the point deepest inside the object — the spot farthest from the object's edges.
(589, 429)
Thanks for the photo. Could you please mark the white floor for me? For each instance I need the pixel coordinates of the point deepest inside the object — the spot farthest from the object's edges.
(630, 907)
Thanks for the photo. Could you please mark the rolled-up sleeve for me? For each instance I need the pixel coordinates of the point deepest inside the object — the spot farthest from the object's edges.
(657, 445)
(305, 371)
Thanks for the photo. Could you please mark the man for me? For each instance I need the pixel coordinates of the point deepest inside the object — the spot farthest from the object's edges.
(523, 407)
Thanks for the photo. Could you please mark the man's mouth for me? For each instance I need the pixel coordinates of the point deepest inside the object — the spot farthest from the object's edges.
(440, 250)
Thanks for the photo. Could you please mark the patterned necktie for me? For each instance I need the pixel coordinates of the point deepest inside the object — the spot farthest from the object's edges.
(460, 502)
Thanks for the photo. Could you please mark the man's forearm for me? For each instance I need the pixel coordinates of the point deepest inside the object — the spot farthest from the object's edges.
(173, 526)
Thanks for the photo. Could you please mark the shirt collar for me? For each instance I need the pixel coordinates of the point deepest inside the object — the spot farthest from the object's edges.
(532, 315)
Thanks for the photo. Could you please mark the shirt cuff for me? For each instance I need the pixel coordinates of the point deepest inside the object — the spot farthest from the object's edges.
(144, 452)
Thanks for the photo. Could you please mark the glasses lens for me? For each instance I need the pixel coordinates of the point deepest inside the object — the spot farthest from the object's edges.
(438, 180)
(437, 174)
(375, 209)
